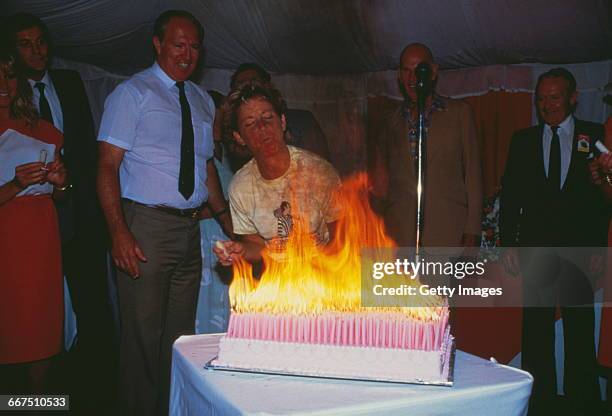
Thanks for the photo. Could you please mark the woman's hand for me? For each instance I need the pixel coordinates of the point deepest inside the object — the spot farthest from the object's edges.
(56, 173)
(29, 174)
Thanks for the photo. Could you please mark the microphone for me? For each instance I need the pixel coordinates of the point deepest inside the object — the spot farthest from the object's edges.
(423, 79)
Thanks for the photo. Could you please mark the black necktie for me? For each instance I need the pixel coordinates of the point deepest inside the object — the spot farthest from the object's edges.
(187, 171)
(43, 104)
(554, 161)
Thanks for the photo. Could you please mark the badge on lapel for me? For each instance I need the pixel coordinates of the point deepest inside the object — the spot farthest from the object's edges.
(584, 143)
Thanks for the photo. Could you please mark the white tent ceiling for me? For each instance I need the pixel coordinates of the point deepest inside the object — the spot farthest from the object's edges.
(333, 36)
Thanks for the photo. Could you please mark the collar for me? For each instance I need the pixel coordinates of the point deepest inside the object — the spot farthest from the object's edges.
(567, 125)
(161, 74)
(46, 79)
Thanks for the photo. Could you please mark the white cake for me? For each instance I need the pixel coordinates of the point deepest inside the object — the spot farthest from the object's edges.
(376, 346)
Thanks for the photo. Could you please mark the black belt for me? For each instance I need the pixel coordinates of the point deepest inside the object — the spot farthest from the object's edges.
(188, 212)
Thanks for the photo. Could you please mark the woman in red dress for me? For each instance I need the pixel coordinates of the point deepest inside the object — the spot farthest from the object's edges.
(31, 285)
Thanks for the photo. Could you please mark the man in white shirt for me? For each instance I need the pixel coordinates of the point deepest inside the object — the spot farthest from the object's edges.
(155, 173)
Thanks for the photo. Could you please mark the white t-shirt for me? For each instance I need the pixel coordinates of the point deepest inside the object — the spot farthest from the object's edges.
(270, 208)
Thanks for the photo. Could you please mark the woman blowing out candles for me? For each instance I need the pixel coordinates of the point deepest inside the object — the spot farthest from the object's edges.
(279, 185)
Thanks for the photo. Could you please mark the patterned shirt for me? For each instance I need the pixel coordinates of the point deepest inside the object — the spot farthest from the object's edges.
(413, 122)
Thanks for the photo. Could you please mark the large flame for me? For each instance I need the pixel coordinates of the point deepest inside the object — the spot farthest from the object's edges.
(315, 278)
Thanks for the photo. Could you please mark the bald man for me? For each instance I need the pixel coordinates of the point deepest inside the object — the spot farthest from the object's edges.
(453, 197)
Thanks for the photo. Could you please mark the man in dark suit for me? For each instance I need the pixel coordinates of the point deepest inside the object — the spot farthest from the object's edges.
(548, 202)
(60, 98)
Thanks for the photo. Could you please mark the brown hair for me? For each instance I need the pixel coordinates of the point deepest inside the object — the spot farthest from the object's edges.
(262, 74)
(245, 92)
(159, 27)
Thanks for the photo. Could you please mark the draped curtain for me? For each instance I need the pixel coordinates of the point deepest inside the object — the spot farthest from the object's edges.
(498, 114)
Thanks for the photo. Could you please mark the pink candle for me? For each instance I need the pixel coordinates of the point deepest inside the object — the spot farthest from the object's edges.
(276, 335)
(377, 332)
(244, 330)
(395, 334)
(438, 334)
(230, 326)
(411, 335)
(294, 328)
(313, 324)
(271, 320)
(242, 327)
(283, 329)
(325, 329)
(384, 332)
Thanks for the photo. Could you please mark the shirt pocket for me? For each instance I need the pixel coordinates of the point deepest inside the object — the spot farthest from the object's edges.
(206, 145)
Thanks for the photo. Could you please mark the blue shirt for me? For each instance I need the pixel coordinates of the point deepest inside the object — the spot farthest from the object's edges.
(566, 138)
(52, 99)
(143, 117)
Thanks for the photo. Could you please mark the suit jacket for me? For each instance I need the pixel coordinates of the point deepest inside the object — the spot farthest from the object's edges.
(453, 189)
(532, 214)
(80, 214)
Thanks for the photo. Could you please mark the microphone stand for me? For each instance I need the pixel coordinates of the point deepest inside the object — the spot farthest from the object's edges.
(423, 88)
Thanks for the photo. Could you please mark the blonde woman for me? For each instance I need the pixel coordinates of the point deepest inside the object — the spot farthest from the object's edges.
(31, 294)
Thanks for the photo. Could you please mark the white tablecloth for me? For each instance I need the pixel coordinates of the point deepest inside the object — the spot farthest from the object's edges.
(481, 388)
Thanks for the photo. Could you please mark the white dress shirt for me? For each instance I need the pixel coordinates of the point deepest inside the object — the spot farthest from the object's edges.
(52, 98)
(143, 117)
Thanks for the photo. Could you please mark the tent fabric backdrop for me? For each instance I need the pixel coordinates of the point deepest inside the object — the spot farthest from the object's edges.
(333, 37)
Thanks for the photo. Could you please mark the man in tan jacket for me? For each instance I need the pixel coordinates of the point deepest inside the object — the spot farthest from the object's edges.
(453, 190)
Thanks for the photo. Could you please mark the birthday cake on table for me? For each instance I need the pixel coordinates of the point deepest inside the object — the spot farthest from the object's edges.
(305, 316)
(378, 346)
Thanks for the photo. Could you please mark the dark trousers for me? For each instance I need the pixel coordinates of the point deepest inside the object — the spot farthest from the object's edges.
(548, 281)
(93, 360)
(156, 308)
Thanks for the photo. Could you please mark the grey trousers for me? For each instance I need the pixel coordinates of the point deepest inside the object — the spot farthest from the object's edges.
(156, 308)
